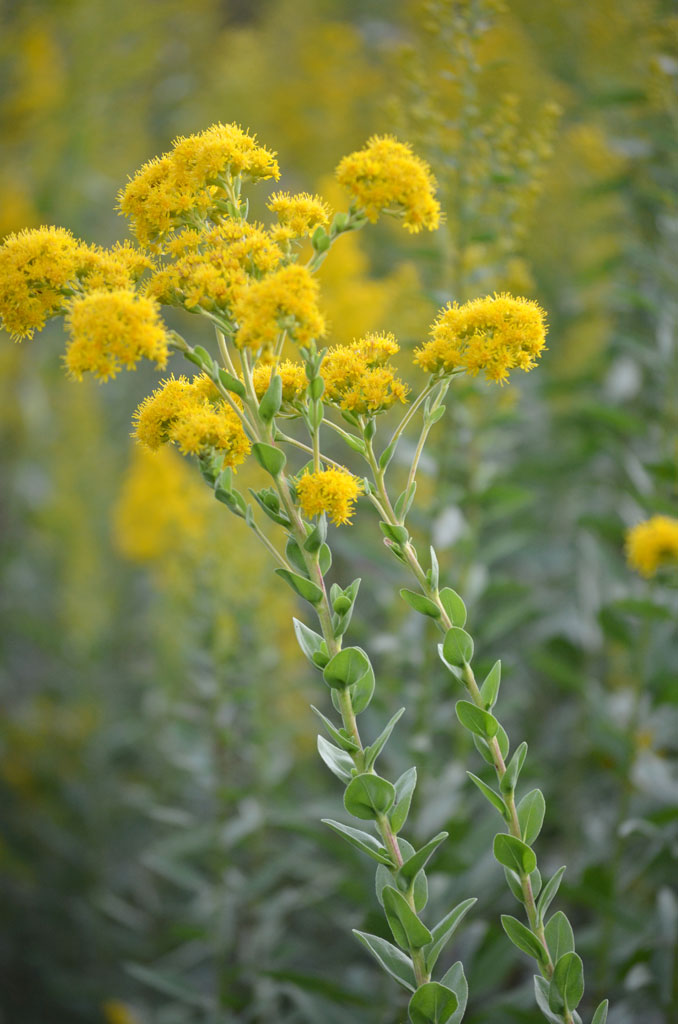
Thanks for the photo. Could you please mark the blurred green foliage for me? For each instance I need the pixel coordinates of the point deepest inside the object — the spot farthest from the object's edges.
(161, 857)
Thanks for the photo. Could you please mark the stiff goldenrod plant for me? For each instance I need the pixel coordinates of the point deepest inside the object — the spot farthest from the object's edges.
(199, 252)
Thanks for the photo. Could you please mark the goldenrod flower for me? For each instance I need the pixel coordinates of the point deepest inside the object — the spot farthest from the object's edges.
(652, 544)
(168, 191)
(191, 415)
(110, 330)
(37, 267)
(386, 176)
(357, 379)
(284, 300)
(495, 334)
(331, 490)
(301, 213)
(110, 269)
(293, 376)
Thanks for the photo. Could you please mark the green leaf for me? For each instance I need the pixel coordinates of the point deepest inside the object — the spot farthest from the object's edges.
(455, 979)
(453, 605)
(310, 642)
(421, 858)
(514, 883)
(549, 893)
(303, 587)
(361, 692)
(408, 930)
(523, 938)
(559, 936)
(397, 534)
(294, 555)
(324, 559)
(457, 647)
(346, 668)
(387, 876)
(600, 1016)
(567, 984)
(318, 534)
(476, 720)
(269, 458)
(368, 796)
(404, 788)
(421, 604)
(432, 1003)
(232, 384)
(404, 501)
(444, 930)
(386, 456)
(485, 750)
(541, 993)
(372, 752)
(362, 841)
(489, 691)
(514, 767)
(269, 406)
(490, 795)
(345, 742)
(338, 761)
(531, 810)
(390, 958)
(514, 854)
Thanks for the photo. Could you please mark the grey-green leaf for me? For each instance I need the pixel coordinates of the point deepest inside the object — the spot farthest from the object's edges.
(408, 930)
(421, 858)
(513, 769)
(303, 587)
(453, 605)
(337, 735)
(549, 893)
(523, 938)
(541, 994)
(368, 796)
(269, 406)
(457, 647)
(600, 1016)
(347, 667)
(309, 641)
(372, 752)
(390, 958)
(490, 795)
(567, 984)
(269, 458)
(489, 691)
(420, 603)
(362, 841)
(531, 810)
(455, 979)
(444, 930)
(338, 761)
(514, 854)
(404, 788)
(476, 719)
(559, 936)
(432, 1003)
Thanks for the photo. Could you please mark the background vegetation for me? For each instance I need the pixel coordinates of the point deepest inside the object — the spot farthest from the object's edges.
(161, 857)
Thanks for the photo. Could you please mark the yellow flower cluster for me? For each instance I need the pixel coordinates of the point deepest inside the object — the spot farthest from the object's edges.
(42, 268)
(357, 378)
(331, 490)
(299, 214)
(212, 268)
(387, 176)
(495, 334)
(109, 330)
(285, 300)
(193, 179)
(293, 376)
(652, 544)
(190, 414)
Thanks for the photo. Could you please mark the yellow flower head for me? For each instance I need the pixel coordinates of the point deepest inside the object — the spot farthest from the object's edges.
(652, 544)
(387, 176)
(357, 378)
(287, 300)
(301, 213)
(191, 415)
(109, 330)
(190, 179)
(495, 334)
(331, 490)
(111, 269)
(36, 268)
(293, 376)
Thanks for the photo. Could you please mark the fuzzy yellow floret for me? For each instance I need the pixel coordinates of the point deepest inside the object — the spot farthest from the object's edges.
(652, 544)
(301, 213)
(293, 376)
(386, 176)
(331, 490)
(190, 415)
(357, 378)
(494, 334)
(287, 300)
(36, 268)
(111, 330)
